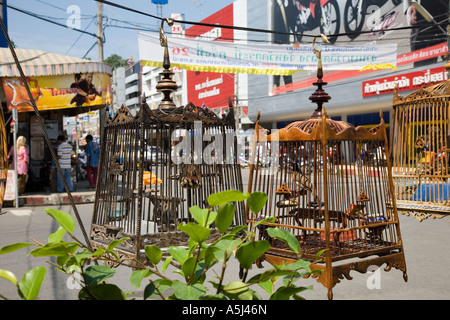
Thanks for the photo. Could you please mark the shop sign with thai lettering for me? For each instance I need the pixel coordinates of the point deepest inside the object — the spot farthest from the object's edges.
(405, 82)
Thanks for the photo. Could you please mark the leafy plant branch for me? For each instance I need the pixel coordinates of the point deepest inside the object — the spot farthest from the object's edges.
(193, 263)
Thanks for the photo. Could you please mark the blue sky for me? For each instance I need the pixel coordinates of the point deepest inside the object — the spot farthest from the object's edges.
(28, 32)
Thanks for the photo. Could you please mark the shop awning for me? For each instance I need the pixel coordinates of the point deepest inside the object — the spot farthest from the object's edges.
(40, 63)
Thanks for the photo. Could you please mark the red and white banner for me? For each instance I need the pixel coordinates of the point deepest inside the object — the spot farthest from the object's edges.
(405, 82)
(212, 89)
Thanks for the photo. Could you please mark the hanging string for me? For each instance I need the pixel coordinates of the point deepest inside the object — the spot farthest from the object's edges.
(42, 125)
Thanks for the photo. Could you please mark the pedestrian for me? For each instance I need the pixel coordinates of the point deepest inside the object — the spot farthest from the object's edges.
(92, 152)
(64, 160)
(22, 162)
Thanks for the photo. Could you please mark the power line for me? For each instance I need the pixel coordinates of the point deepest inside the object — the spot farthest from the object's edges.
(79, 36)
(250, 29)
(47, 20)
(139, 25)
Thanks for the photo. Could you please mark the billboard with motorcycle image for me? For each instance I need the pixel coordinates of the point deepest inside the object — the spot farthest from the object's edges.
(417, 28)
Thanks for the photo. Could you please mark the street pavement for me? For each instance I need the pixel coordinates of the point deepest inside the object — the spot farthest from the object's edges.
(426, 246)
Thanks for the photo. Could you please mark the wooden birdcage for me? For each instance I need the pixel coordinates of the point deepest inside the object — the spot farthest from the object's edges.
(326, 194)
(157, 164)
(421, 151)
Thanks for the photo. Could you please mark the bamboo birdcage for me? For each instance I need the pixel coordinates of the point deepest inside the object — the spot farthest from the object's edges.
(421, 151)
(321, 190)
(157, 164)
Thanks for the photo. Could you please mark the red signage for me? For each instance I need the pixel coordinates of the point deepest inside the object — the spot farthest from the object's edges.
(405, 82)
(211, 89)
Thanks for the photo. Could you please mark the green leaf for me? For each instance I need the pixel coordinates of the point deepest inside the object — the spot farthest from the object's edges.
(178, 253)
(31, 283)
(185, 292)
(154, 254)
(137, 276)
(57, 249)
(267, 285)
(235, 287)
(248, 253)
(285, 236)
(257, 201)
(269, 219)
(225, 215)
(8, 275)
(64, 219)
(97, 274)
(57, 235)
(161, 284)
(83, 255)
(13, 247)
(201, 215)
(225, 247)
(195, 231)
(188, 267)
(237, 290)
(166, 264)
(99, 252)
(270, 274)
(115, 243)
(285, 293)
(237, 229)
(102, 291)
(210, 256)
(319, 254)
(299, 264)
(217, 199)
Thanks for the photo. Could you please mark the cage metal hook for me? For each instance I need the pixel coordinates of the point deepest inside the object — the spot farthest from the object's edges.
(318, 52)
(162, 35)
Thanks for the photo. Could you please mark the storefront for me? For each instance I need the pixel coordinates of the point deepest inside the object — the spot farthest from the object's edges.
(67, 91)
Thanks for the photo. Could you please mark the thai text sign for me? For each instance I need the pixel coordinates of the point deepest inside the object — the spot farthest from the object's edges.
(231, 57)
(405, 82)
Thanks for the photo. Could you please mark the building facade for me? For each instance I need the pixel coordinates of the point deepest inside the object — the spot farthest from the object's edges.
(356, 96)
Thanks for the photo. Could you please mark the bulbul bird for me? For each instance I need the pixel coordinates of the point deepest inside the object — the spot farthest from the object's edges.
(304, 184)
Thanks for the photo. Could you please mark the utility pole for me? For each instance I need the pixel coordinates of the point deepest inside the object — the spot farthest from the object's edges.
(100, 31)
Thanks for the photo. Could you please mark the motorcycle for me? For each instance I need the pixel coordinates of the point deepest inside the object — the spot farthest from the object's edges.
(80, 161)
(355, 12)
(323, 14)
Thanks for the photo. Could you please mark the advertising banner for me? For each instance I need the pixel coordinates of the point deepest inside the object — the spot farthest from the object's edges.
(405, 82)
(417, 29)
(212, 89)
(58, 92)
(253, 58)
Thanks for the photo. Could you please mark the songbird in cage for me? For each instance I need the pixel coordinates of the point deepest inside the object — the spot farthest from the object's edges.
(305, 186)
(190, 176)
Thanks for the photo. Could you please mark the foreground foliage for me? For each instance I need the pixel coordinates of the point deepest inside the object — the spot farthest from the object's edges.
(192, 263)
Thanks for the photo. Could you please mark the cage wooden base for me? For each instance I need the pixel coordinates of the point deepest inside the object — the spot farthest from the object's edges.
(329, 275)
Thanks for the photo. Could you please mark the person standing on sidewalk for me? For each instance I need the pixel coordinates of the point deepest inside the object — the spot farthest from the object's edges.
(92, 152)
(22, 162)
(64, 159)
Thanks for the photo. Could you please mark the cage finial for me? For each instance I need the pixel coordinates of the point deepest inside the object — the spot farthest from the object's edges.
(166, 85)
(319, 96)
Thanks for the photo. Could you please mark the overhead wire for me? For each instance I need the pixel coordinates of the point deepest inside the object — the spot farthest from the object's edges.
(79, 37)
(47, 20)
(144, 27)
(258, 30)
(141, 26)
(44, 131)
